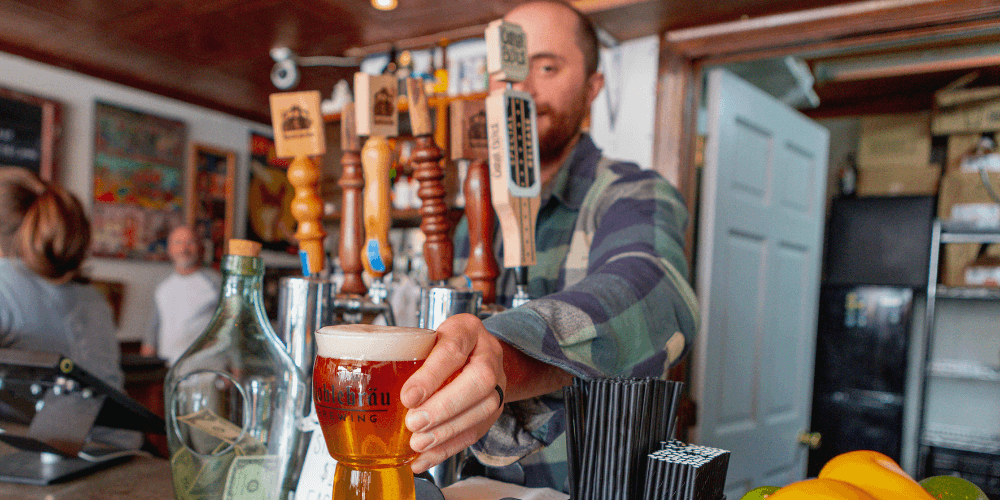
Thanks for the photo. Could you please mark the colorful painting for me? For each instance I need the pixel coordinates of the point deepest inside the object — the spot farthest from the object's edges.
(269, 195)
(211, 184)
(138, 182)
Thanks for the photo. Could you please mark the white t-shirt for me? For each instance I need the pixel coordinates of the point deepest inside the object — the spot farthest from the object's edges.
(184, 306)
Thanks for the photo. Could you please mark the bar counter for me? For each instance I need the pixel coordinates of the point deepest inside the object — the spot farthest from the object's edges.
(139, 478)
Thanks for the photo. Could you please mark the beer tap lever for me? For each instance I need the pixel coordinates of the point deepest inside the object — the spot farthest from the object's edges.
(299, 134)
(426, 161)
(515, 176)
(376, 117)
(468, 142)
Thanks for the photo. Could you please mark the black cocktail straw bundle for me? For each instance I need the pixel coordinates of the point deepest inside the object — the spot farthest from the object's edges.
(613, 425)
(688, 472)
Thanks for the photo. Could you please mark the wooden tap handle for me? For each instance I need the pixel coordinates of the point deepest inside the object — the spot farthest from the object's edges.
(375, 160)
(438, 249)
(515, 178)
(352, 233)
(307, 209)
(482, 267)
(426, 162)
(299, 134)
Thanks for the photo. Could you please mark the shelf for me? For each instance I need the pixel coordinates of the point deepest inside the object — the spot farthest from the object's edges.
(961, 438)
(961, 369)
(966, 232)
(980, 293)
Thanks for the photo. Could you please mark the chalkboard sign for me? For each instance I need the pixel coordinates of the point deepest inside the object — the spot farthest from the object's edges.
(29, 129)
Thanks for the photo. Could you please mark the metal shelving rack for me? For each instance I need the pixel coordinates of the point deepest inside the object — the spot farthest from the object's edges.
(936, 434)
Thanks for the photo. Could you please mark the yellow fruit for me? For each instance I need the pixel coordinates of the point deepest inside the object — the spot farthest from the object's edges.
(760, 493)
(952, 488)
(820, 489)
(875, 473)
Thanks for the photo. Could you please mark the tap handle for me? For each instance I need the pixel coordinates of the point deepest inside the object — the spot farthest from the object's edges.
(352, 232)
(299, 133)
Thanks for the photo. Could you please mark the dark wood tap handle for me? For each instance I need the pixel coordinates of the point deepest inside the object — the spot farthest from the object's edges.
(426, 163)
(482, 267)
(351, 228)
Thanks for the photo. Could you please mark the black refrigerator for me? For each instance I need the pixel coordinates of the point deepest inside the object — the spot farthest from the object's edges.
(875, 258)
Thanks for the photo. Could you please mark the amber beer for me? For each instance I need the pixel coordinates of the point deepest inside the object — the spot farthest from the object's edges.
(357, 378)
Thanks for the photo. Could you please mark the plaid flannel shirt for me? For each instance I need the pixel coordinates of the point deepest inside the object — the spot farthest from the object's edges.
(613, 299)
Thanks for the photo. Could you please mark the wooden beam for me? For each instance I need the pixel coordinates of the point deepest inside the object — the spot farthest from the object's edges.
(799, 30)
(675, 131)
(594, 6)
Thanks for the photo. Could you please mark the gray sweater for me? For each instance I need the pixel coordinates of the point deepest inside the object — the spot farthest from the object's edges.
(71, 319)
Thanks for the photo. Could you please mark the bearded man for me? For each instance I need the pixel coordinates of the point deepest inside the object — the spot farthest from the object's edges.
(611, 295)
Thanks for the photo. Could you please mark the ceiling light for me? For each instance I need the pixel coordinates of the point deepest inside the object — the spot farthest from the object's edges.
(384, 4)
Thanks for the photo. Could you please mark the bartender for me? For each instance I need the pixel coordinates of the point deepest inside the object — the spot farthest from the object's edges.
(611, 292)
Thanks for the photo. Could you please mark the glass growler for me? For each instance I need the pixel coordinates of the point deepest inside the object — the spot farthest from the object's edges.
(234, 399)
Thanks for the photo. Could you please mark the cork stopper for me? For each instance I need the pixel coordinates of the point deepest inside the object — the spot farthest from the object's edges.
(245, 248)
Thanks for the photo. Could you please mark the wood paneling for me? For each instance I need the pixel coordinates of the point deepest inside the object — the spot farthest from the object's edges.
(215, 52)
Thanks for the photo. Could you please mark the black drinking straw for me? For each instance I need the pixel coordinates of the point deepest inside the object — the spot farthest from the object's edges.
(570, 406)
(663, 424)
(675, 398)
(689, 471)
(623, 433)
(589, 458)
(604, 438)
(638, 422)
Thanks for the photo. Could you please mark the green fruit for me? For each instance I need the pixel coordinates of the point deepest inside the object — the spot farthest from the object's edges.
(760, 493)
(952, 488)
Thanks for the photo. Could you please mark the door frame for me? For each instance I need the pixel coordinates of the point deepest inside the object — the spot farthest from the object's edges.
(686, 53)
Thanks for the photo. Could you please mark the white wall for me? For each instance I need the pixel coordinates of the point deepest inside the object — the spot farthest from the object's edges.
(77, 94)
(623, 115)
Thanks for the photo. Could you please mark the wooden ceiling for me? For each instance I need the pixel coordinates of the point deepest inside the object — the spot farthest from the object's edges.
(215, 53)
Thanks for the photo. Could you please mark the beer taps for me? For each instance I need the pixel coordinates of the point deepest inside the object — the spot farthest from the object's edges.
(468, 142)
(426, 161)
(515, 176)
(352, 303)
(376, 117)
(351, 183)
(438, 301)
(298, 133)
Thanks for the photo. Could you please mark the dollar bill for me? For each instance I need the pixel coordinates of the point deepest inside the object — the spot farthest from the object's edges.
(212, 424)
(183, 468)
(249, 445)
(211, 475)
(253, 478)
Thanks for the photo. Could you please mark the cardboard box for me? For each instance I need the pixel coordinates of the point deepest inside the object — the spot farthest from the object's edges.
(899, 181)
(974, 117)
(958, 146)
(963, 196)
(894, 141)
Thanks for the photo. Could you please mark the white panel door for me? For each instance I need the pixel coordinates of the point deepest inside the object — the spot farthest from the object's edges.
(759, 257)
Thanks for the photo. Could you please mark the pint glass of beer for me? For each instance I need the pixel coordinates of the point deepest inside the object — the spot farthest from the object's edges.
(357, 378)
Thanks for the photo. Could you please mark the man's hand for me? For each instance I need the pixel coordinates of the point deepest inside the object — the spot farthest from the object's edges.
(451, 397)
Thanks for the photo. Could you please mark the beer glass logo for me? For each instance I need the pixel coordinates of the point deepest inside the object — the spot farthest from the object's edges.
(351, 403)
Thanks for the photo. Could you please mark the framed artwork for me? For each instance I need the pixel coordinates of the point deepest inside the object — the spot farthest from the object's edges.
(211, 184)
(30, 127)
(138, 182)
(269, 220)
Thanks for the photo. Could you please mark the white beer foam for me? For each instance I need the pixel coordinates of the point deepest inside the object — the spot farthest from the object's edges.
(374, 342)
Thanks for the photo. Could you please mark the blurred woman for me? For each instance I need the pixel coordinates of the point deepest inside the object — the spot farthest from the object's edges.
(45, 304)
